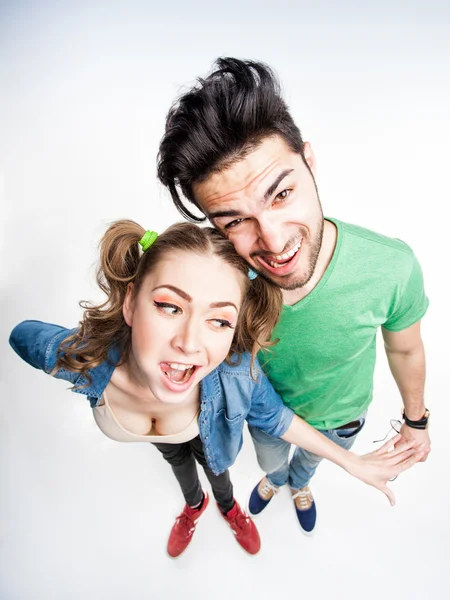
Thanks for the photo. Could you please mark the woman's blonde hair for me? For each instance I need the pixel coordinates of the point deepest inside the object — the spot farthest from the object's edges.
(122, 261)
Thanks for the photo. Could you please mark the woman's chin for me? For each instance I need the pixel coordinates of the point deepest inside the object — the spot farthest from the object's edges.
(171, 394)
(174, 399)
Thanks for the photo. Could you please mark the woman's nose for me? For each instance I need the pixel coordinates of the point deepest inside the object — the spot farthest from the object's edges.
(188, 338)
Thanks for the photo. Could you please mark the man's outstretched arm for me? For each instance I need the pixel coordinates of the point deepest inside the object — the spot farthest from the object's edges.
(406, 357)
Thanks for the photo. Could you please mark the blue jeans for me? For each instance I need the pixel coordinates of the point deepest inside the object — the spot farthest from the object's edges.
(273, 455)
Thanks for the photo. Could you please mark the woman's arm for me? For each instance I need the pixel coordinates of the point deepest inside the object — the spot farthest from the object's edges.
(375, 468)
(37, 344)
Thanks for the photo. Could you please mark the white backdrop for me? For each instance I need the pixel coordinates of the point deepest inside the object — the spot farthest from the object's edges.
(85, 87)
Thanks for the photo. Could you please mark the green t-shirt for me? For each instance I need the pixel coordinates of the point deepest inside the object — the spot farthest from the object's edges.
(323, 365)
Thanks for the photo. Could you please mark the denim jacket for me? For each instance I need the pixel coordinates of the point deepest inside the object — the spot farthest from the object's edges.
(229, 394)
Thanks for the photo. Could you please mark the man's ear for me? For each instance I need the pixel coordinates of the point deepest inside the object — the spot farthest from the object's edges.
(310, 158)
(128, 305)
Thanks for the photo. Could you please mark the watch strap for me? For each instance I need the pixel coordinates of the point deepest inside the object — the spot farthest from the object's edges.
(420, 423)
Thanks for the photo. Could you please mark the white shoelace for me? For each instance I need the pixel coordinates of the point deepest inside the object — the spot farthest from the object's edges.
(266, 489)
(305, 497)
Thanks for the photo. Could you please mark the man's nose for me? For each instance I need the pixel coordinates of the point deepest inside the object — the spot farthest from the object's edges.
(270, 235)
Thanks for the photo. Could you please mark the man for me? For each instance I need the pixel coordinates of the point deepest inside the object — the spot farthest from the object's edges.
(232, 149)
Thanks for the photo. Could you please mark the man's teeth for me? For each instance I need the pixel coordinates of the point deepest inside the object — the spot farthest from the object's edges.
(179, 367)
(284, 256)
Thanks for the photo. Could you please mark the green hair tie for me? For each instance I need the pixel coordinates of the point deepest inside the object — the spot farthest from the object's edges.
(148, 239)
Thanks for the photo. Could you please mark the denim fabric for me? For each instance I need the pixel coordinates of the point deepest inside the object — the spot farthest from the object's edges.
(273, 455)
(229, 394)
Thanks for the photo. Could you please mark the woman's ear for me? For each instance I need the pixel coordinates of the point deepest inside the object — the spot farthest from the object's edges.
(128, 305)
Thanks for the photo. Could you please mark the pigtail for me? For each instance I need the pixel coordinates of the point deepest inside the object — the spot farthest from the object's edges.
(260, 313)
(103, 326)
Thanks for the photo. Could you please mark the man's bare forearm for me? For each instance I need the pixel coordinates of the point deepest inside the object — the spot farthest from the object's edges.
(408, 370)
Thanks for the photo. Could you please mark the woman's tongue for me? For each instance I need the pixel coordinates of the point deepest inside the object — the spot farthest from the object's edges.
(177, 375)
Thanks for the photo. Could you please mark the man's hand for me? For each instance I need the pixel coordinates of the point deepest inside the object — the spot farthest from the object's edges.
(420, 436)
(381, 466)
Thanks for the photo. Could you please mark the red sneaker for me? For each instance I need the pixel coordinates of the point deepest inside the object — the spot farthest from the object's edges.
(243, 528)
(181, 535)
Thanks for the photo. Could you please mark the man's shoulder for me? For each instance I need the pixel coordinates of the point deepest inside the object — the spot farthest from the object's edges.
(356, 234)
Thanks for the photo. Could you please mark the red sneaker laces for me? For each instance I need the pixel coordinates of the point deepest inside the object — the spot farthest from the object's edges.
(185, 524)
(240, 521)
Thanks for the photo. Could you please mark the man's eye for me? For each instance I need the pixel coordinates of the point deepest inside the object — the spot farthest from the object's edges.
(283, 195)
(169, 309)
(234, 223)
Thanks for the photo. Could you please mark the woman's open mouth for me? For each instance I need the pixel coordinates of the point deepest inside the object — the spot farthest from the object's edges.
(177, 377)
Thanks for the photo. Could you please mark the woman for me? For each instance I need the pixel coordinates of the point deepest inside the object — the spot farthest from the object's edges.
(169, 358)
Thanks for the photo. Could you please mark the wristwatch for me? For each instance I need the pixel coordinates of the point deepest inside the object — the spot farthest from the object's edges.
(420, 424)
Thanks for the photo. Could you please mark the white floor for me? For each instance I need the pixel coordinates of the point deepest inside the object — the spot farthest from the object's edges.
(85, 517)
(88, 89)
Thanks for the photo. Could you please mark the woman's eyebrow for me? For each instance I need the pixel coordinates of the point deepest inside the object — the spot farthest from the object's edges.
(188, 298)
(183, 295)
(223, 304)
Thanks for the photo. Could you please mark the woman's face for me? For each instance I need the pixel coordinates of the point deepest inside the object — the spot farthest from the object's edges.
(183, 321)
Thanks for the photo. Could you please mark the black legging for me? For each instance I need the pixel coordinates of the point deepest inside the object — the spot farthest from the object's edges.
(181, 458)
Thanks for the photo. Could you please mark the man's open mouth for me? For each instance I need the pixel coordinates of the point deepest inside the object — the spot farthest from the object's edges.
(277, 261)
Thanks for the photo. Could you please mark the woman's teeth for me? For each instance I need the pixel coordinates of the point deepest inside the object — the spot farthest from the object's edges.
(179, 373)
(284, 257)
(179, 367)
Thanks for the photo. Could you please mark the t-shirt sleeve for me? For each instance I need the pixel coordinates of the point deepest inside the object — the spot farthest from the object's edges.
(412, 303)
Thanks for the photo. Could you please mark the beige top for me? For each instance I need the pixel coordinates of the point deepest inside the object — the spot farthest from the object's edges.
(110, 426)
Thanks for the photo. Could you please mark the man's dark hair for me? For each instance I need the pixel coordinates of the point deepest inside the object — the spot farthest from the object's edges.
(218, 122)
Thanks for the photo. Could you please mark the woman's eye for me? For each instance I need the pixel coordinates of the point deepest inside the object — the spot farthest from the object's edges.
(221, 323)
(169, 309)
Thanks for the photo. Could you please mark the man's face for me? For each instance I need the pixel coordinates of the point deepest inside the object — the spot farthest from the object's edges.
(267, 205)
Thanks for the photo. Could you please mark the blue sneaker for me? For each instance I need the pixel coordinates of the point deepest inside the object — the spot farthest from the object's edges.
(305, 509)
(261, 495)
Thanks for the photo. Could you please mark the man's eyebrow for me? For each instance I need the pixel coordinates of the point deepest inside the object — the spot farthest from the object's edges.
(174, 289)
(223, 213)
(270, 190)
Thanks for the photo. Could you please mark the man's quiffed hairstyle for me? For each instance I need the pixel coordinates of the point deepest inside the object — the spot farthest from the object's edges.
(218, 122)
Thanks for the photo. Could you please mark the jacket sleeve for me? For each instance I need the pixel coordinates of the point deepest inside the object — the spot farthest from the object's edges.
(37, 343)
(267, 411)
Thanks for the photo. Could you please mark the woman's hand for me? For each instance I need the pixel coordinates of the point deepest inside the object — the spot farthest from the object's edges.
(378, 467)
